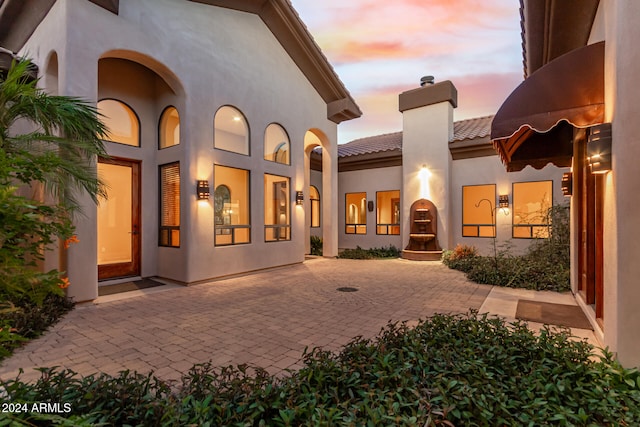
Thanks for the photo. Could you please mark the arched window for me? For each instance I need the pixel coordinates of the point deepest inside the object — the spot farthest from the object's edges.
(169, 128)
(276, 144)
(231, 131)
(314, 197)
(121, 121)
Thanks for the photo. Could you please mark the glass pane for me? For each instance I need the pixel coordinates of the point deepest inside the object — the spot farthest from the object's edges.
(387, 209)
(276, 144)
(356, 208)
(169, 128)
(231, 131)
(276, 206)
(314, 196)
(231, 205)
(487, 231)
(121, 121)
(531, 201)
(470, 231)
(114, 215)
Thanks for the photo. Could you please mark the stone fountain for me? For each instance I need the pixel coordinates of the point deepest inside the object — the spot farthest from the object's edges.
(423, 241)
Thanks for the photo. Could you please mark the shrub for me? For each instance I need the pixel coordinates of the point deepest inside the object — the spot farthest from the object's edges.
(545, 266)
(460, 258)
(316, 245)
(27, 320)
(450, 369)
(359, 253)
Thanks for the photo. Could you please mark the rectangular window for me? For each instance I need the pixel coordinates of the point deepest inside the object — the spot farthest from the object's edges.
(231, 202)
(531, 204)
(356, 213)
(170, 205)
(388, 212)
(277, 194)
(478, 210)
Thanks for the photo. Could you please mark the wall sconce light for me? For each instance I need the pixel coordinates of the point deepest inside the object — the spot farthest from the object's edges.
(503, 201)
(567, 183)
(599, 148)
(202, 189)
(299, 198)
(370, 205)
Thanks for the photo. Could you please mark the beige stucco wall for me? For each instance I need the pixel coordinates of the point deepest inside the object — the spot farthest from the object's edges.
(622, 200)
(368, 181)
(209, 57)
(490, 170)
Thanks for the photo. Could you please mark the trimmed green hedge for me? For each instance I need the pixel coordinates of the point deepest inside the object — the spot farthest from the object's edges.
(373, 253)
(450, 369)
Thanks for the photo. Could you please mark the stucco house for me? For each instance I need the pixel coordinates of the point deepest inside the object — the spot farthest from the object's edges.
(214, 169)
(578, 107)
(451, 164)
(210, 131)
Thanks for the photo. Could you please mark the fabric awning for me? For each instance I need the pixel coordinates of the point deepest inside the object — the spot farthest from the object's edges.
(534, 125)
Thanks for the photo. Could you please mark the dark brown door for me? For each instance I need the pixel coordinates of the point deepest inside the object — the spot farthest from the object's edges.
(119, 219)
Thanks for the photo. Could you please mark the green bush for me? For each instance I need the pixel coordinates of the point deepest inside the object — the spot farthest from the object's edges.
(450, 369)
(545, 266)
(26, 320)
(316, 245)
(373, 253)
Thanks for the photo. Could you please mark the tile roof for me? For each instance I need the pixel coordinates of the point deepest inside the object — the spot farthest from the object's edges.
(479, 127)
(371, 144)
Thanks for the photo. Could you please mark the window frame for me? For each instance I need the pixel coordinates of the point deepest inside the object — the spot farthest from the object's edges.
(493, 214)
(311, 203)
(387, 226)
(273, 154)
(530, 225)
(346, 215)
(137, 119)
(168, 228)
(232, 227)
(160, 128)
(246, 122)
(287, 228)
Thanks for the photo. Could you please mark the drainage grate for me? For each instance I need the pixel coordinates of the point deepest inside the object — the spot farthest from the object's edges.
(347, 289)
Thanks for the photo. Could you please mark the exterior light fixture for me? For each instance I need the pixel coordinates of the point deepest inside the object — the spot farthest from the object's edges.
(567, 183)
(503, 201)
(299, 198)
(599, 148)
(202, 189)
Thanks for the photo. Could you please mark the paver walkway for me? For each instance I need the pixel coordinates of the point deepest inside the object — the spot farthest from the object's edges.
(265, 319)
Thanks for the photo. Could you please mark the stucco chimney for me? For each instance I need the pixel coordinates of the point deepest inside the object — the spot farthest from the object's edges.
(427, 128)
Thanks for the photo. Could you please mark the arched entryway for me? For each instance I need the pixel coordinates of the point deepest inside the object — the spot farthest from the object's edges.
(321, 160)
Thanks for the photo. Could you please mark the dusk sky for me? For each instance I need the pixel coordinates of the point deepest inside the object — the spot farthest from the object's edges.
(381, 48)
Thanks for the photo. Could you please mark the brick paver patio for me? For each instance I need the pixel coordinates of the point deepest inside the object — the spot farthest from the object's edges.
(265, 319)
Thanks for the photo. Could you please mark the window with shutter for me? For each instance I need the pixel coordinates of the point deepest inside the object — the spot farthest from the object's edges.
(170, 205)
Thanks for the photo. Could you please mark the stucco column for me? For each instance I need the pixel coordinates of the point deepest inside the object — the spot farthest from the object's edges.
(78, 76)
(427, 123)
(330, 198)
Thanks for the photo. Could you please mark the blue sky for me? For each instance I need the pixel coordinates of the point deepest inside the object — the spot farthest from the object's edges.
(382, 48)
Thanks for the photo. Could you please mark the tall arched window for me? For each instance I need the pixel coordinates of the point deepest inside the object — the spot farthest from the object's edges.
(314, 197)
(231, 131)
(121, 121)
(169, 128)
(276, 144)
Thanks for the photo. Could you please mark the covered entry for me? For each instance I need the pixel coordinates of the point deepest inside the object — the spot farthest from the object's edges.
(550, 118)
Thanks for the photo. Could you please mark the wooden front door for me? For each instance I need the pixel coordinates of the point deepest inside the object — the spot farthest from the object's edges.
(119, 219)
(590, 202)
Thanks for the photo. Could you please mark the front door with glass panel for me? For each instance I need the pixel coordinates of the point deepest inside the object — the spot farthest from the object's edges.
(119, 219)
